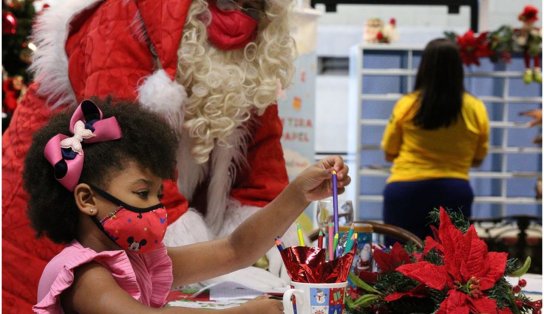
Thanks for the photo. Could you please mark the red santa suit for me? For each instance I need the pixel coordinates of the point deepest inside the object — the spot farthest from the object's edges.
(98, 48)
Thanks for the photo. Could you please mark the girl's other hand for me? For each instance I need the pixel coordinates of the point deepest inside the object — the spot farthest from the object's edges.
(315, 182)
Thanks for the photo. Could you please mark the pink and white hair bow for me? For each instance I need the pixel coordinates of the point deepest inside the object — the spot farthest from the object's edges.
(65, 153)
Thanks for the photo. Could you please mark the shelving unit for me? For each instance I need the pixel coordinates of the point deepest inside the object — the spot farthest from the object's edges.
(503, 185)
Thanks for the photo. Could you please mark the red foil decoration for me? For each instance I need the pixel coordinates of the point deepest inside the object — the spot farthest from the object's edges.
(309, 264)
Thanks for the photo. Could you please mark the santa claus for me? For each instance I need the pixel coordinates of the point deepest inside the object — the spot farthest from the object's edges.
(213, 68)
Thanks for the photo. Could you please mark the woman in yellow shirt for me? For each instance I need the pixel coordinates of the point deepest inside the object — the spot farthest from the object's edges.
(435, 134)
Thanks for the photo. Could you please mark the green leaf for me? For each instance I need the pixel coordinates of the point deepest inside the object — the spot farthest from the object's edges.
(365, 300)
(361, 284)
(523, 269)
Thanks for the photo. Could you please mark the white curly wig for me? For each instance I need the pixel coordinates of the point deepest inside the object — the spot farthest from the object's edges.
(226, 87)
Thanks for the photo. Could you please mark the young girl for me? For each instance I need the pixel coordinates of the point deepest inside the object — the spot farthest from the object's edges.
(94, 180)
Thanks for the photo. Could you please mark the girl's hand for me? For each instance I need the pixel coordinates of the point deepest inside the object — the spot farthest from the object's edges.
(263, 305)
(315, 182)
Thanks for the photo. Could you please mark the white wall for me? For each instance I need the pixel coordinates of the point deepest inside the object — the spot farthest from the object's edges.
(499, 12)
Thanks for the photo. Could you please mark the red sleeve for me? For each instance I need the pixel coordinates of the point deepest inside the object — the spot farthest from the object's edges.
(266, 175)
(23, 255)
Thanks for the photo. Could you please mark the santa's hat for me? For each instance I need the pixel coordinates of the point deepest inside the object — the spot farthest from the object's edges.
(160, 92)
(529, 14)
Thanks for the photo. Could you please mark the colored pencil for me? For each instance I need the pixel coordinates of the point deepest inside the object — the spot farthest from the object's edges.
(335, 243)
(300, 236)
(330, 246)
(320, 240)
(278, 245)
(335, 200)
(349, 245)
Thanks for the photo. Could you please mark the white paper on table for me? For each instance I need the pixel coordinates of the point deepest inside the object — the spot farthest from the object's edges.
(215, 305)
(229, 290)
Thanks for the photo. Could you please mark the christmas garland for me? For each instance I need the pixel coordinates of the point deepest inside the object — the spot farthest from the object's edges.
(500, 44)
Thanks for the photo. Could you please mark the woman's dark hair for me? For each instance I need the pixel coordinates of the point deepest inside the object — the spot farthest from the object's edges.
(440, 84)
(147, 139)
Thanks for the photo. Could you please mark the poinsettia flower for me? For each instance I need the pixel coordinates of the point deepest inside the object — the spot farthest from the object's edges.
(473, 48)
(468, 270)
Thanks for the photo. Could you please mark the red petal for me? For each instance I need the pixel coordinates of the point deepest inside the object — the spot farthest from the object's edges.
(497, 264)
(483, 305)
(429, 274)
(399, 255)
(473, 256)
(454, 303)
(506, 310)
(430, 244)
(368, 277)
(452, 241)
(385, 261)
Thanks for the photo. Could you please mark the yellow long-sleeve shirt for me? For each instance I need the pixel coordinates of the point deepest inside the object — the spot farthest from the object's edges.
(441, 153)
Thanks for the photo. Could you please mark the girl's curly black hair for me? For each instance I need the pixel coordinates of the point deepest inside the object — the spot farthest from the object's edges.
(147, 139)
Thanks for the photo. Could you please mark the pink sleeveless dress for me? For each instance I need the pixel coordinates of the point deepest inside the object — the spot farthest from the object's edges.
(146, 277)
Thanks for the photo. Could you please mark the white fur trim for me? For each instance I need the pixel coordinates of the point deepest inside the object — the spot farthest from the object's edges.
(234, 215)
(50, 64)
(225, 162)
(189, 228)
(190, 173)
(237, 213)
(160, 94)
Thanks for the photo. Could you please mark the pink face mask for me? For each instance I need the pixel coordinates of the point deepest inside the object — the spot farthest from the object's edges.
(134, 229)
(229, 30)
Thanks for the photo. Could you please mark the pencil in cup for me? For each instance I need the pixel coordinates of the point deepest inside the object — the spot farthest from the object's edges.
(279, 244)
(300, 235)
(330, 245)
(335, 200)
(320, 239)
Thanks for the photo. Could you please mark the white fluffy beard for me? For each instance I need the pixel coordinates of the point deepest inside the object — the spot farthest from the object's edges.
(226, 87)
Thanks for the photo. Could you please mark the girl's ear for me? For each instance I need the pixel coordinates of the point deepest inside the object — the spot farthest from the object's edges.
(85, 200)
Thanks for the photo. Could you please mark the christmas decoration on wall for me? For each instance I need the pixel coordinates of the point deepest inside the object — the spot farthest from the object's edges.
(376, 31)
(498, 45)
(453, 273)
